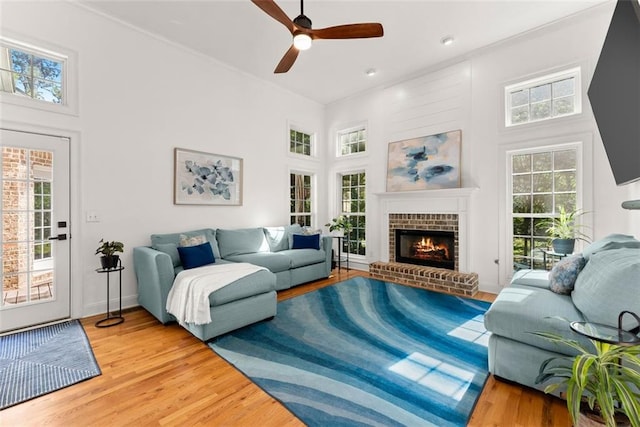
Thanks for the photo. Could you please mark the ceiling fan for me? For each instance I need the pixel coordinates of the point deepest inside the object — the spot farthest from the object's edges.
(303, 34)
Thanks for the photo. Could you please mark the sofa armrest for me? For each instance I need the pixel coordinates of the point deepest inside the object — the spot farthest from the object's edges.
(326, 243)
(155, 275)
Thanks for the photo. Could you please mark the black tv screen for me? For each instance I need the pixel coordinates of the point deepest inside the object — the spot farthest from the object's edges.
(614, 92)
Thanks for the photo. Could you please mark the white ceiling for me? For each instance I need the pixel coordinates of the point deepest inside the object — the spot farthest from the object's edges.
(238, 33)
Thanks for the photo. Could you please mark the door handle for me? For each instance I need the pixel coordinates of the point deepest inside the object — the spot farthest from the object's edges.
(59, 237)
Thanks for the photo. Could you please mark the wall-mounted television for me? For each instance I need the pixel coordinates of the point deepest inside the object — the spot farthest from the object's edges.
(614, 92)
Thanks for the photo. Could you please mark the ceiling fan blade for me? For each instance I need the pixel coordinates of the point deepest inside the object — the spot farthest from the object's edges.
(287, 60)
(274, 11)
(349, 31)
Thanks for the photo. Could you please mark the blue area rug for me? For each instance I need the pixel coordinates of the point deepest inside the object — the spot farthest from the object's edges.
(367, 352)
(39, 361)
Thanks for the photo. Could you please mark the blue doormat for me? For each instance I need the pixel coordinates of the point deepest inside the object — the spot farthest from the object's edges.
(39, 361)
(367, 352)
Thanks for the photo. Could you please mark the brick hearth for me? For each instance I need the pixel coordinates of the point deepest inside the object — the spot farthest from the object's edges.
(437, 279)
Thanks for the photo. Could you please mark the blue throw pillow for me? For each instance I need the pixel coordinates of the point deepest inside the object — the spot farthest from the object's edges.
(301, 241)
(563, 275)
(196, 256)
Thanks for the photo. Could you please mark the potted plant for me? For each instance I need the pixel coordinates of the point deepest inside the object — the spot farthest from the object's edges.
(339, 226)
(565, 229)
(602, 387)
(108, 249)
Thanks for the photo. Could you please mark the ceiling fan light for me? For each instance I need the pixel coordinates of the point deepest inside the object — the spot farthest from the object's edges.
(302, 41)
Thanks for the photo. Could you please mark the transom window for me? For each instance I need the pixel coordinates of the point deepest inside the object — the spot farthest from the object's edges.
(352, 141)
(32, 74)
(544, 98)
(300, 142)
(541, 183)
(353, 199)
(300, 199)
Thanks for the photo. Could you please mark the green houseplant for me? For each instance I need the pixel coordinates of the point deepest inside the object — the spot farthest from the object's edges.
(565, 229)
(341, 224)
(108, 249)
(603, 386)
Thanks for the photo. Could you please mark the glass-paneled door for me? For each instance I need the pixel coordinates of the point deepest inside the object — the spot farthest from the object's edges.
(35, 249)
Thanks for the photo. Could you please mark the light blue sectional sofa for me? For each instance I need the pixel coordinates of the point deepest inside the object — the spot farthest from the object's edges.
(245, 301)
(608, 284)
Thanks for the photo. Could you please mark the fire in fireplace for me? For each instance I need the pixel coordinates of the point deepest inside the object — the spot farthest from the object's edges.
(426, 247)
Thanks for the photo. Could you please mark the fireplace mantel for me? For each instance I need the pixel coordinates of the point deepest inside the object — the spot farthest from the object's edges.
(443, 201)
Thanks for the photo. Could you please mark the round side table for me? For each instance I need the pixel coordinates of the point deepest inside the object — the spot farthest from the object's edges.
(112, 320)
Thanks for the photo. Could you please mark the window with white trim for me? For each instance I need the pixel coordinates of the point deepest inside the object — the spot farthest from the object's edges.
(542, 182)
(300, 142)
(30, 73)
(551, 96)
(353, 201)
(352, 141)
(300, 196)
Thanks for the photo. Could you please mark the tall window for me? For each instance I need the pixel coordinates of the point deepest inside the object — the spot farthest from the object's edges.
(541, 183)
(353, 190)
(32, 74)
(300, 199)
(300, 142)
(352, 141)
(551, 96)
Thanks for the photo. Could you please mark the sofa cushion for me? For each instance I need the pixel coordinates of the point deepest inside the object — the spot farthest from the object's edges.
(520, 310)
(256, 283)
(196, 240)
(306, 241)
(537, 278)
(241, 241)
(612, 241)
(170, 249)
(174, 238)
(563, 275)
(609, 284)
(278, 237)
(302, 257)
(196, 256)
(275, 262)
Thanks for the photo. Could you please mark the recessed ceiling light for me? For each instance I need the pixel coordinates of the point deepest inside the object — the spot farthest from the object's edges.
(371, 72)
(447, 40)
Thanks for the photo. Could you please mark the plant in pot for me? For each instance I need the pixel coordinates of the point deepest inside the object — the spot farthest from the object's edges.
(339, 226)
(108, 249)
(602, 384)
(565, 229)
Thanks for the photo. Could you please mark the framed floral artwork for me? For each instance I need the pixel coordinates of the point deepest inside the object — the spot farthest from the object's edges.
(206, 179)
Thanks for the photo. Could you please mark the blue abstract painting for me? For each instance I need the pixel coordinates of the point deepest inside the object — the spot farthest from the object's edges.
(207, 179)
(425, 163)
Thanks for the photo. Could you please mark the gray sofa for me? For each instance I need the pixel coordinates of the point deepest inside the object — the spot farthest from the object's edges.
(245, 301)
(608, 284)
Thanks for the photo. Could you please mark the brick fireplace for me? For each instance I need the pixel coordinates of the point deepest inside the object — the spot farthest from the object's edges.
(440, 212)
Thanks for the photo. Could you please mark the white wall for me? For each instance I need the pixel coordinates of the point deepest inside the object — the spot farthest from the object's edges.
(140, 97)
(575, 41)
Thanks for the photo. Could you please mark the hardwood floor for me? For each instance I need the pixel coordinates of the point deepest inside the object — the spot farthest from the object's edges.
(162, 375)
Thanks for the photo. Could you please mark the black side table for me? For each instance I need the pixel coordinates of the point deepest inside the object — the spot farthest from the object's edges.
(112, 320)
(609, 334)
(340, 253)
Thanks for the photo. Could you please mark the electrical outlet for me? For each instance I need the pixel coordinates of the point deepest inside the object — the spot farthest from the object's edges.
(93, 217)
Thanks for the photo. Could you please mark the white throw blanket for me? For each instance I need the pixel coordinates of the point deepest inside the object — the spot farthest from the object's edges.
(188, 299)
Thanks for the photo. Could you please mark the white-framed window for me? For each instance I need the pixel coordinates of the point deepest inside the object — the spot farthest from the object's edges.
(38, 74)
(543, 98)
(542, 181)
(31, 73)
(353, 200)
(301, 198)
(352, 141)
(41, 220)
(301, 142)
